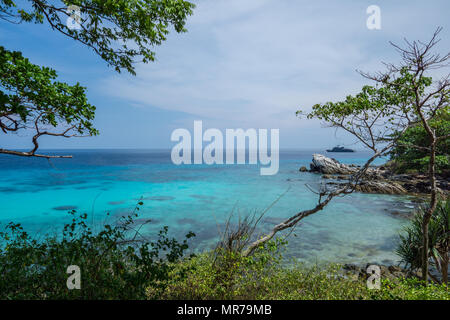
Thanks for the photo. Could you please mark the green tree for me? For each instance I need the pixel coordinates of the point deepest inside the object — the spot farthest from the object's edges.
(117, 262)
(411, 152)
(403, 97)
(363, 115)
(121, 32)
(32, 99)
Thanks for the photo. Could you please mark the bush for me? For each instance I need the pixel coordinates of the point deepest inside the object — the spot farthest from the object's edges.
(409, 289)
(411, 246)
(295, 282)
(224, 274)
(115, 263)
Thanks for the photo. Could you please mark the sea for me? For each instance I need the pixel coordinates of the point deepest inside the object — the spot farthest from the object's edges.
(107, 184)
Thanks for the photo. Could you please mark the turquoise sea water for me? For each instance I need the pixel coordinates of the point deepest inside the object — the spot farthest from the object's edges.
(358, 228)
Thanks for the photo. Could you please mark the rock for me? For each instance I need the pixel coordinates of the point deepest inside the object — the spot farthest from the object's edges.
(417, 273)
(377, 179)
(419, 184)
(383, 187)
(384, 270)
(398, 274)
(401, 177)
(351, 267)
(356, 272)
(394, 269)
(303, 169)
(327, 165)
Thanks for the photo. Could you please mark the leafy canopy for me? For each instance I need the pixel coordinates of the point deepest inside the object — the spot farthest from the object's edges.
(116, 262)
(386, 112)
(30, 97)
(412, 152)
(119, 31)
(369, 115)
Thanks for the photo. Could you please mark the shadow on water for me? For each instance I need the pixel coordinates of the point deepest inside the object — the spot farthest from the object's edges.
(65, 208)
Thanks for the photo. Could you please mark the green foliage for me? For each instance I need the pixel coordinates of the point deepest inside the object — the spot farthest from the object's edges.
(313, 283)
(410, 152)
(411, 240)
(379, 115)
(366, 104)
(386, 103)
(30, 97)
(372, 116)
(277, 281)
(409, 289)
(114, 263)
(119, 31)
(224, 274)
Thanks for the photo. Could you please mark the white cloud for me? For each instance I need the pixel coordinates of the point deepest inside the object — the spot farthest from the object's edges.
(252, 63)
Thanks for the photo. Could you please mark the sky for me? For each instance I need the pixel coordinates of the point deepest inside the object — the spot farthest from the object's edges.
(242, 64)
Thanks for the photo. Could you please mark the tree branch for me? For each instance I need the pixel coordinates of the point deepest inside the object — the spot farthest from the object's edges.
(31, 154)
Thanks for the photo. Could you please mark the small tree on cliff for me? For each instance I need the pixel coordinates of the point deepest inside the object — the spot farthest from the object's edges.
(427, 102)
(363, 115)
(121, 32)
(403, 97)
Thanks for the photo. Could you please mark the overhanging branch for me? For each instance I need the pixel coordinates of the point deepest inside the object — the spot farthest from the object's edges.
(32, 154)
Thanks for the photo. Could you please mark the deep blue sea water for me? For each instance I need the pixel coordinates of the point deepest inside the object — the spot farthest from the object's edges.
(358, 228)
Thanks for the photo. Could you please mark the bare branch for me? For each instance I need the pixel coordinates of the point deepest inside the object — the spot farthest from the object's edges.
(30, 154)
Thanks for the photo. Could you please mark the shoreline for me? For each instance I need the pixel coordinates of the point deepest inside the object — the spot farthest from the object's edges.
(379, 179)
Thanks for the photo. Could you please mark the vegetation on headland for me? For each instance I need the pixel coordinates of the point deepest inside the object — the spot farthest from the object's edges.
(410, 153)
(119, 263)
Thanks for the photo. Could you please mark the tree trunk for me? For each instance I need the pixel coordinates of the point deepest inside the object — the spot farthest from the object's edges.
(425, 251)
(445, 268)
(432, 207)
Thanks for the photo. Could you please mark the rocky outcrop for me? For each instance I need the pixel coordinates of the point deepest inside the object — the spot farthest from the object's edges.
(419, 183)
(376, 179)
(385, 187)
(386, 272)
(322, 164)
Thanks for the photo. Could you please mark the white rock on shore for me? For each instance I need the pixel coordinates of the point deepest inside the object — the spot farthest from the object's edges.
(327, 165)
(373, 181)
